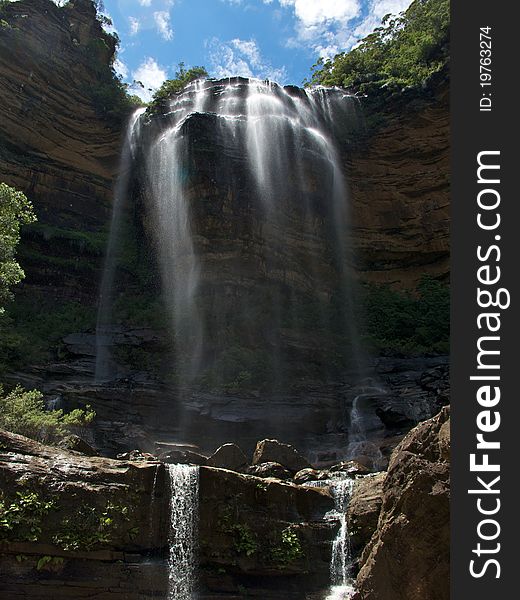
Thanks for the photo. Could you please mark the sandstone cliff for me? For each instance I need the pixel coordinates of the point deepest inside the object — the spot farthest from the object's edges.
(399, 174)
(407, 557)
(58, 144)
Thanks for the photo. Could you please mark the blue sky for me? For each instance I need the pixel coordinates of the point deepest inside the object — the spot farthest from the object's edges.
(275, 39)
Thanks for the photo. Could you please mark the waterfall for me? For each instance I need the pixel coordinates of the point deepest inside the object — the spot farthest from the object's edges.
(224, 149)
(105, 368)
(341, 561)
(341, 567)
(363, 422)
(182, 561)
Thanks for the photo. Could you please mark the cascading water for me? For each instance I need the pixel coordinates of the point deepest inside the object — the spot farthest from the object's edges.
(105, 367)
(341, 562)
(264, 137)
(363, 422)
(241, 198)
(341, 567)
(184, 504)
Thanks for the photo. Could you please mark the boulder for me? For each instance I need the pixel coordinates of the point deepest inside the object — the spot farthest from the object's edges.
(306, 475)
(278, 452)
(74, 442)
(363, 510)
(228, 456)
(183, 457)
(136, 455)
(351, 467)
(408, 557)
(269, 469)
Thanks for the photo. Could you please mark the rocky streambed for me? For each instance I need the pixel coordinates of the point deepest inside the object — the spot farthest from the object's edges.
(76, 526)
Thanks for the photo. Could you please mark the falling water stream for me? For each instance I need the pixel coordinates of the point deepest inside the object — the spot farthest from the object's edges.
(184, 505)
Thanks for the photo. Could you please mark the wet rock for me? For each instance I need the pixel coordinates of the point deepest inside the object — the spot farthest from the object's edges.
(228, 456)
(74, 442)
(351, 467)
(408, 555)
(278, 452)
(183, 457)
(269, 469)
(363, 510)
(261, 537)
(136, 455)
(306, 475)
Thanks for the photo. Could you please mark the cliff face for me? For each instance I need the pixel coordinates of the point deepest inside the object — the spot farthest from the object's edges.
(399, 178)
(55, 145)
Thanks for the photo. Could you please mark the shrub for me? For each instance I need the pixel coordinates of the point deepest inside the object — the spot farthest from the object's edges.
(24, 412)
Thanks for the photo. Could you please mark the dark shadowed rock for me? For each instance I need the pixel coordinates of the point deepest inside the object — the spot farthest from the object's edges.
(408, 556)
(266, 536)
(228, 456)
(278, 452)
(74, 442)
(269, 469)
(363, 510)
(306, 475)
(183, 457)
(351, 467)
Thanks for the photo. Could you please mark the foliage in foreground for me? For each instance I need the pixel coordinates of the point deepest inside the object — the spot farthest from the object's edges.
(15, 210)
(24, 412)
(404, 51)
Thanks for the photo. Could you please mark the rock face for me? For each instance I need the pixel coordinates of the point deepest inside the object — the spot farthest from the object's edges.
(408, 555)
(266, 536)
(399, 181)
(77, 527)
(55, 143)
(278, 452)
(363, 510)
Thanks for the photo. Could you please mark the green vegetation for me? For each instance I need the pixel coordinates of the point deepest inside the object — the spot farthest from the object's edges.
(24, 412)
(32, 330)
(404, 51)
(289, 548)
(26, 517)
(408, 323)
(15, 210)
(170, 87)
(22, 518)
(91, 527)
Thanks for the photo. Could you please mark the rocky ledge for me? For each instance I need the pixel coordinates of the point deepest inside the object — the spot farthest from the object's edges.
(73, 526)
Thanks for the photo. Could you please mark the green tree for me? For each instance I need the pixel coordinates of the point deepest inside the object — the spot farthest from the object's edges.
(15, 210)
(24, 412)
(183, 76)
(404, 51)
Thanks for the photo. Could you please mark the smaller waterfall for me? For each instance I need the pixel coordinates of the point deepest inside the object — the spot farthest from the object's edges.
(184, 500)
(341, 562)
(341, 559)
(363, 422)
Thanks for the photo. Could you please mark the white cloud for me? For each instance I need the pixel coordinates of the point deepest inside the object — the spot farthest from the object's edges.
(241, 58)
(135, 25)
(162, 23)
(331, 26)
(145, 2)
(121, 68)
(377, 10)
(314, 12)
(151, 75)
